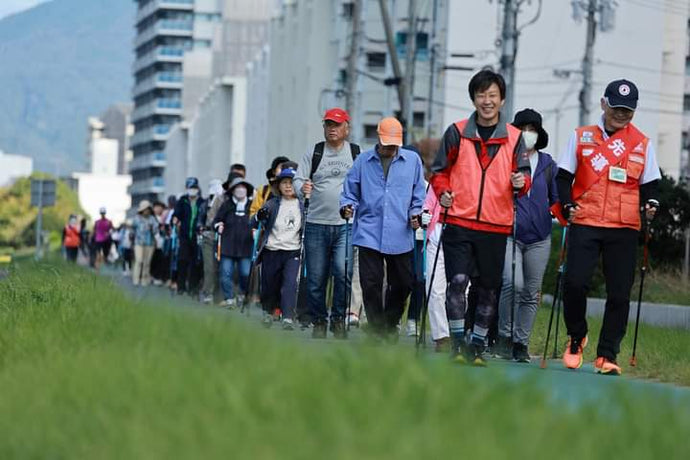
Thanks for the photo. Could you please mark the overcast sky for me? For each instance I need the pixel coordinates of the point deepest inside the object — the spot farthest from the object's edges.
(14, 6)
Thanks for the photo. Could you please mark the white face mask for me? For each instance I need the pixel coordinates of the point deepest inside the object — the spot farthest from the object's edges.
(73, 222)
(192, 192)
(240, 192)
(530, 138)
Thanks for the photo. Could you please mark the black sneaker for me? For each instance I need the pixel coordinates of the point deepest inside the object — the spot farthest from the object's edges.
(520, 353)
(474, 353)
(338, 329)
(503, 348)
(319, 331)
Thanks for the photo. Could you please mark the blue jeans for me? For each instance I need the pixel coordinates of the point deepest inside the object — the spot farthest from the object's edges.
(226, 271)
(325, 255)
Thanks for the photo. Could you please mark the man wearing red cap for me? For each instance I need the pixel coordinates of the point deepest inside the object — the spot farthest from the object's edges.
(384, 190)
(320, 178)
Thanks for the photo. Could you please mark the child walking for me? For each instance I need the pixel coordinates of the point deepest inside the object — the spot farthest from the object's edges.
(279, 250)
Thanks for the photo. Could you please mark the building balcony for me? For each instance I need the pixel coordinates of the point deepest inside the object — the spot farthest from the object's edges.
(159, 54)
(150, 185)
(155, 5)
(163, 106)
(171, 27)
(153, 133)
(166, 80)
(149, 160)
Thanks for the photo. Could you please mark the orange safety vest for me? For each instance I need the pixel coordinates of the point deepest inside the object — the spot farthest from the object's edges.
(483, 195)
(72, 238)
(607, 179)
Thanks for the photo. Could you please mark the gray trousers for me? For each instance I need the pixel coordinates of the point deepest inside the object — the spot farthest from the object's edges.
(530, 263)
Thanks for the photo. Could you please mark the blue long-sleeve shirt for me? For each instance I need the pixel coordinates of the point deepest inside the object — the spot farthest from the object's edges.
(383, 206)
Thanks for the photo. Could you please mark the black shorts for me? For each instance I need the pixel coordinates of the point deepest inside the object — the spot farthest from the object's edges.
(474, 253)
(104, 247)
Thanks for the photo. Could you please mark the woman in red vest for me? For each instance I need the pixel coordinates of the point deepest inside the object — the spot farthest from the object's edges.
(71, 238)
(481, 164)
(607, 171)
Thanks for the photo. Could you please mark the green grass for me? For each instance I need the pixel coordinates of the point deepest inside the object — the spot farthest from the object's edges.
(86, 372)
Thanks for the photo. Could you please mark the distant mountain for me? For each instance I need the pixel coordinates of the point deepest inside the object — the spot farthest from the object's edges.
(60, 62)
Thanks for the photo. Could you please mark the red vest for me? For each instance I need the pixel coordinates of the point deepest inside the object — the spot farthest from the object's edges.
(72, 238)
(609, 198)
(483, 194)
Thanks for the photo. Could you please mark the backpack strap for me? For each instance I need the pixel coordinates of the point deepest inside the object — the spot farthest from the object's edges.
(354, 150)
(318, 155)
(549, 177)
(316, 158)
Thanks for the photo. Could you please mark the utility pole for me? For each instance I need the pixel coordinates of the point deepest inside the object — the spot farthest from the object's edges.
(388, 29)
(587, 63)
(352, 75)
(410, 58)
(432, 69)
(509, 37)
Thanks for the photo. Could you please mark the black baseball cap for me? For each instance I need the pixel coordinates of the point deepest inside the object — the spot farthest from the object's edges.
(621, 94)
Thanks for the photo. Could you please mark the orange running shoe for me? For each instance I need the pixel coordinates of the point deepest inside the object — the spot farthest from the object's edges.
(572, 356)
(605, 366)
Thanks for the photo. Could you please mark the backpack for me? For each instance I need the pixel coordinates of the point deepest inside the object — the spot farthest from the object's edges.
(318, 155)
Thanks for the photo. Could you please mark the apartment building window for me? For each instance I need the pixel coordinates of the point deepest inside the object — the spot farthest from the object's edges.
(376, 60)
(422, 44)
(370, 134)
(202, 44)
(686, 103)
(418, 119)
(348, 10)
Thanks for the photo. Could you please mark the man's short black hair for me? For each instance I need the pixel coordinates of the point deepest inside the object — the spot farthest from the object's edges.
(483, 79)
(278, 161)
(238, 166)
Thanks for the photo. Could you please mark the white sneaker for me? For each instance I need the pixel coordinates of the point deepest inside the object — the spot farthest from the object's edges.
(353, 319)
(207, 300)
(229, 303)
(157, 282)
(288, 324)
(411, 328)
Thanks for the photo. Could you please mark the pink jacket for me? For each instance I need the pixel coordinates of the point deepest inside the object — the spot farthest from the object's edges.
(432, 205)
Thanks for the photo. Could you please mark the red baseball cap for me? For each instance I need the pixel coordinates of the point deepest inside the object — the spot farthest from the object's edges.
(336, 114)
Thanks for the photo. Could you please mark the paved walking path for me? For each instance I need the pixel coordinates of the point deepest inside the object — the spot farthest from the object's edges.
(566, 386)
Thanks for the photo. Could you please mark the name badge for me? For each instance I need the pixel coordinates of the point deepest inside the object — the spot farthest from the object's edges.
(618, 174)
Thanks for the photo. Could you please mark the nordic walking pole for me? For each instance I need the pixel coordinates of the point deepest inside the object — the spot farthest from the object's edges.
(252, 269)
(348, 283)
(643, 271)
(433, 268)
(422, 332)
(512, 275)
(301, 249)
(557, 293)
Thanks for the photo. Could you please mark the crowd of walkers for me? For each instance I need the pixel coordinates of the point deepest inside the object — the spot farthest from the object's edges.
(341, 237)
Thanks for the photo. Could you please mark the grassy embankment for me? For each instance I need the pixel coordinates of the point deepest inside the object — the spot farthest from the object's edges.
(86, 372)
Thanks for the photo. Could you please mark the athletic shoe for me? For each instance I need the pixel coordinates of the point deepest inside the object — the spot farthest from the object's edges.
(572, 356)
(442, 345)
(605, 366)
(207, 299)
(353, 319)
(319, 331)
(229, 304)
(412, 328)
(267, 320)
(503, 348)
(474, 353)
(520, 353)
(239, 300)
(287, 324)
(277, 314)
(338, 329)
(157, 282)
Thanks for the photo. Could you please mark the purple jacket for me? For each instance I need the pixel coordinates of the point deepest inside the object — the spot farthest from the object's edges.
(533, 215)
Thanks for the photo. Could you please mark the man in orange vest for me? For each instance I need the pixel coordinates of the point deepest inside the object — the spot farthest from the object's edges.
(608, 171)
(480, 167)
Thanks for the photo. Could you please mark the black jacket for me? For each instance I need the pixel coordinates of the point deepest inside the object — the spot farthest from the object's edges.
(236, 239)
(183, 213)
